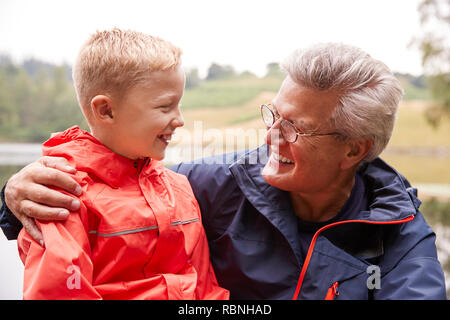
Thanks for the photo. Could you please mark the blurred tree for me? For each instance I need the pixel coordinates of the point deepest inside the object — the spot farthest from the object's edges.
(434, 44)
(192, 78)
(23, 89)
(8, 117)
(64, 109)
(36, 99)
(216, 71)
(33, 67)
(273, 69)
(247, 75)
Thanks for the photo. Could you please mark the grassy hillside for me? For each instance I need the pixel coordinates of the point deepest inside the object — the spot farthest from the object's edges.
(417, 150)
(224, 93)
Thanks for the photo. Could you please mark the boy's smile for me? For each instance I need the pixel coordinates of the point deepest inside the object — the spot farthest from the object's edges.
(147, 116)
(165, 138)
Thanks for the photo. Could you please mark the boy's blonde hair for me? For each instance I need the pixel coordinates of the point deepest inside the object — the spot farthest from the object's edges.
(113, 61)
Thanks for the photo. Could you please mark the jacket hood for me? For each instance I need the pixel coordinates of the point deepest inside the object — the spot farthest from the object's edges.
(94, 157)
(390, 197)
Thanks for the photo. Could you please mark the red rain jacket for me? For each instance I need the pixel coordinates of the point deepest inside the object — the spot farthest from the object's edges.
(137, 235)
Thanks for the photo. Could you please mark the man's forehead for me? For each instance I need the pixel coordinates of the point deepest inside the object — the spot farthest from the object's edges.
(296, 120)
(295, 94)
(304, 110)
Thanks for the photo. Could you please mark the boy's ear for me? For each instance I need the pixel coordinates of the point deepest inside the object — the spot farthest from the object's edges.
(356, 151)
(102, 109)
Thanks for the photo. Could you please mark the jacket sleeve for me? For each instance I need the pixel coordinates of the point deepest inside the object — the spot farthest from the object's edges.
(8, 222)
(418, 276)
(63, 269)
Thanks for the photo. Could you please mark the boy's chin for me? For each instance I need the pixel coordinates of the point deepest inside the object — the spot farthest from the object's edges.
(158, 156)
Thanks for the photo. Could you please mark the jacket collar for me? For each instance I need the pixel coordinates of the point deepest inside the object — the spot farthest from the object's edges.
(93, 157)
(390, 196)
(273, 203)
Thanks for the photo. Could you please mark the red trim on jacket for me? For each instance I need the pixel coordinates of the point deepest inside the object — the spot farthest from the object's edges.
(313, 242)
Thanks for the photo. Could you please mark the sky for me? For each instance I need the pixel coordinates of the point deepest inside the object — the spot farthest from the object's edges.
(247, 34)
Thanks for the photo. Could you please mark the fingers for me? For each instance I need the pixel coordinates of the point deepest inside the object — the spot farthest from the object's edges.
(42, 212)
(57, 163)
(52, 198)
(56, 178)
(31, 227)
(26, 192)
(28, 196)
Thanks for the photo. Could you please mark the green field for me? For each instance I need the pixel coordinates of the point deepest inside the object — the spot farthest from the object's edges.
(225, 93)
(416, 149)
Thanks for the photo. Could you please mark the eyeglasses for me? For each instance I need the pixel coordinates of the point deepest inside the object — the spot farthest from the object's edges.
(287, 128)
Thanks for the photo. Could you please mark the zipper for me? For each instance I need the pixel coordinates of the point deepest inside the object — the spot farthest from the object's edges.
(140, 164)
(313, 242)
(332, 291)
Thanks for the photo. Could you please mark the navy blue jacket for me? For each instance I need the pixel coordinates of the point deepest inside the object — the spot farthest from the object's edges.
(388, 252)
(254, 239)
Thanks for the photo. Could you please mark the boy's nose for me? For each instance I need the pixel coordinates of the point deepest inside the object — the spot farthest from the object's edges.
(178, 121)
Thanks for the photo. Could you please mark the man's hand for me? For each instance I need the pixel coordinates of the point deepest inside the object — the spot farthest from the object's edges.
(28, 197)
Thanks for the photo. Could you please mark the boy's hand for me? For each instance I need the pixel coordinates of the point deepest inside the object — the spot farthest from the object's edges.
(28, 196)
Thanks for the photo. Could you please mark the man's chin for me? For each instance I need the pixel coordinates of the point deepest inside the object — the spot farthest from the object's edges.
(277, 177)
(270, 174)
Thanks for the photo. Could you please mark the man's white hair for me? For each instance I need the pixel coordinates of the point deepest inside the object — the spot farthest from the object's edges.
(369, 91)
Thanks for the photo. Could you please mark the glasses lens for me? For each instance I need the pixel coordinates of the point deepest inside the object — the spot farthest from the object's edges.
(267, 116)
(288, 131)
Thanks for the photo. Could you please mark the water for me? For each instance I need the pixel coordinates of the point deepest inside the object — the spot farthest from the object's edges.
(11, 270)
(19, 153)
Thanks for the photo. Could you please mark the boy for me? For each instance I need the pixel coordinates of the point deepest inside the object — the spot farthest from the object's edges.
(138, 233)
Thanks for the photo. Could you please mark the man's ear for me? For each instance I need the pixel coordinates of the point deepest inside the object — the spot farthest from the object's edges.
(357, 150)
(102, 109)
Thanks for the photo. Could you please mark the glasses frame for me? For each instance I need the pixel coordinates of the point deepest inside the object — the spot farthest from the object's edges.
(298, 132)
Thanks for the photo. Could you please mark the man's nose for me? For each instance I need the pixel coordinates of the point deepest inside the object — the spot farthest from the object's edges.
(273, 135)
